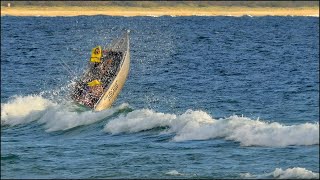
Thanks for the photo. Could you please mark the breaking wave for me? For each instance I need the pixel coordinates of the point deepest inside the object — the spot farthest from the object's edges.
(57, 118)
(23, 109)
(191, 125)
(54, 116)
(290, 173)
(138, 120)
(198, 125)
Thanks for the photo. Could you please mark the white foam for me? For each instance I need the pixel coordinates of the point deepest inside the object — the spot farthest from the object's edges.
(198, 125)
(138, 120)
(290, 173)
(23, 109)
(251, 132)
(246, 175)
(61, 118)
(173, 173)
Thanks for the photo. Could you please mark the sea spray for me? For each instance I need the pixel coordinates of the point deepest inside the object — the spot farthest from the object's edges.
(198, 125)
(58, 94)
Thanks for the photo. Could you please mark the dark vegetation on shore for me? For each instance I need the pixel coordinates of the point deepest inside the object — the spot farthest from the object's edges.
(165, 3)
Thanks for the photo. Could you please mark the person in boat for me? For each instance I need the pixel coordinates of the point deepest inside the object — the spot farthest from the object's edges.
(100, 61)
(95, 60)
(90, 89)
(96, 55)
(93, 94)
(102, 71)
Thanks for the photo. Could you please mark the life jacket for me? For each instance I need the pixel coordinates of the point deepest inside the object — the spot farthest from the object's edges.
(96, 54)
(95, 88)
(94, 83)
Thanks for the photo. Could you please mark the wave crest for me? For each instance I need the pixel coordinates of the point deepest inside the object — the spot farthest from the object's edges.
(290, 173)
(55, 117)
(138, 120)
(23, 109)
(198, 125)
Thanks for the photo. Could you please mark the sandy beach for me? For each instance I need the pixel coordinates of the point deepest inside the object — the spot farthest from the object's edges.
(158, 11)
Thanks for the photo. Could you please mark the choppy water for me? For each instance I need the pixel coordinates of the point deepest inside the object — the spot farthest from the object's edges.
(206, 97)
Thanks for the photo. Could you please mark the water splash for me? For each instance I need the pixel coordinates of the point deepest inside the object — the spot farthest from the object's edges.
(59, 94)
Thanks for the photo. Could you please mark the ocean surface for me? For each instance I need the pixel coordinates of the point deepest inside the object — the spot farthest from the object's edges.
(206, 97)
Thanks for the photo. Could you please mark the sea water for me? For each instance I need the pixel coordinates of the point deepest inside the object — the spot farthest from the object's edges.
(206, 97)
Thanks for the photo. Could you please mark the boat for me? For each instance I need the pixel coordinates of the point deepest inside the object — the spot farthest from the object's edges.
(105, 75)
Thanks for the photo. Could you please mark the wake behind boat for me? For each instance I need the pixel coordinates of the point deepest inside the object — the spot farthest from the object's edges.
(105, 76)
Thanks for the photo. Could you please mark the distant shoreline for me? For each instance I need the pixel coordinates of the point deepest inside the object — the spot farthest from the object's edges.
(158, 11)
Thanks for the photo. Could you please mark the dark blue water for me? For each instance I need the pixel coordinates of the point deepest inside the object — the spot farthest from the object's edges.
(206, 97)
